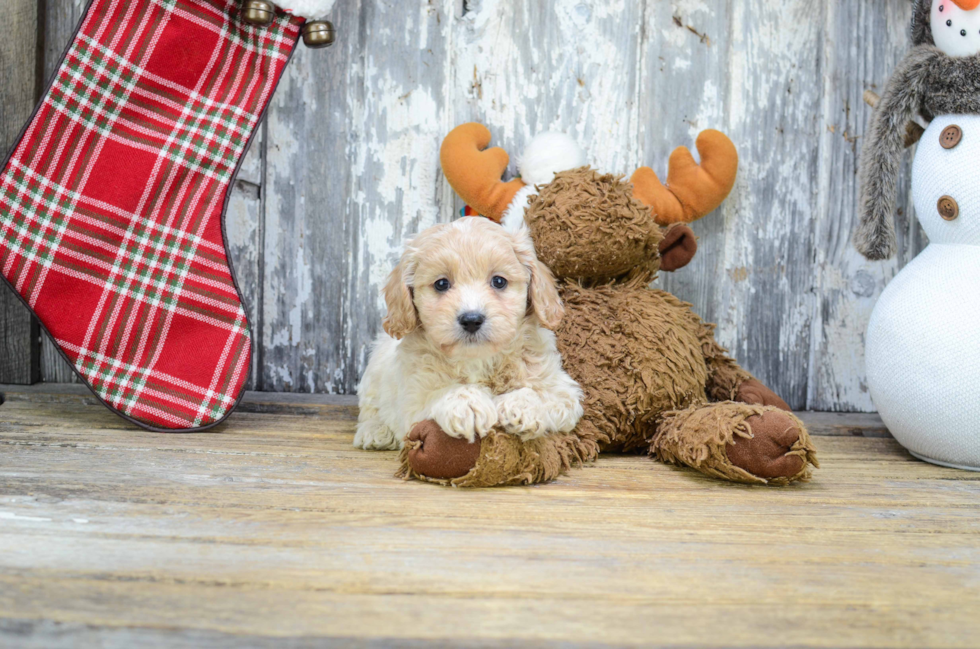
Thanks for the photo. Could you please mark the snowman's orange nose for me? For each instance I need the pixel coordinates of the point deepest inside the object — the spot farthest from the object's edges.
(967, 5)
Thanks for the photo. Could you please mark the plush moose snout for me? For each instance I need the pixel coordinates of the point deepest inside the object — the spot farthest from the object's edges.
(677, 248)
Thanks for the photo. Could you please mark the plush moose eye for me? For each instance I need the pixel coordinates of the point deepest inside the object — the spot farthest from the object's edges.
(442, 285)
(498, 282)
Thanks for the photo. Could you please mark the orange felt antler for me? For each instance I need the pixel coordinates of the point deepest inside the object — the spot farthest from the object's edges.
(475, 173)
(692, 190)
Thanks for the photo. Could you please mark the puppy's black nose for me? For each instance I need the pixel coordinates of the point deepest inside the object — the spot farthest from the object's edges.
(472, 321)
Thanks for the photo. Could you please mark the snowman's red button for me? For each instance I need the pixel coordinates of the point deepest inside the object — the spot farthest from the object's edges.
(951, 136)
(948, 208)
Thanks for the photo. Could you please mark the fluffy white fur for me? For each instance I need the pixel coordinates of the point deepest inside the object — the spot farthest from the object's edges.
(312, 9)
(513, 219)
(546, 154)
(427, 366)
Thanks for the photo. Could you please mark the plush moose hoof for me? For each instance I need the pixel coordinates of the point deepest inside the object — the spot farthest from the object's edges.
(756, 393)
(434, 454)
(767, 453)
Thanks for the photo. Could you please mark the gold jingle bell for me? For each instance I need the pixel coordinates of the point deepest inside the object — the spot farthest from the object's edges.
(258, 12)
(318, 33)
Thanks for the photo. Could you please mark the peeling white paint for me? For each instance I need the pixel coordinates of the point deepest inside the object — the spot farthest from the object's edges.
(531, 67)
(775, 269)
(302, 290)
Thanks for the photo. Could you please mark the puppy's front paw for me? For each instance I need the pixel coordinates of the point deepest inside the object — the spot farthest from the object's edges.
(520, 413)
(375, 436)
(466, 412)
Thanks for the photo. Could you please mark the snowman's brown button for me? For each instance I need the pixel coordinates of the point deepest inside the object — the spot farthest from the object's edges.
(951, 136)
(949, 209)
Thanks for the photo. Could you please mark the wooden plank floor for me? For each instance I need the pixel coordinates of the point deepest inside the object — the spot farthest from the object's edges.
(274, 531)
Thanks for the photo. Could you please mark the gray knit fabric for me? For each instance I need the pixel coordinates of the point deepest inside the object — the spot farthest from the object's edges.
(928, 83)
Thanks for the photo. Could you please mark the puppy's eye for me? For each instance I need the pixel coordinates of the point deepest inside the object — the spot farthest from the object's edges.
(442, 285)
(498, 282)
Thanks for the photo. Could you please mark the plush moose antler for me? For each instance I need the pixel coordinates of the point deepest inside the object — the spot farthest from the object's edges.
(692, 190)
(475, 173)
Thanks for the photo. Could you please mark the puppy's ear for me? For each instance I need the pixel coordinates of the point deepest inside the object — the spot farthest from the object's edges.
(542, 292)
(402, 319)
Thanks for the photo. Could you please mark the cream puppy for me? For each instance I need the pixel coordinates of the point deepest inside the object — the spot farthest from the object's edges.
(467, 341)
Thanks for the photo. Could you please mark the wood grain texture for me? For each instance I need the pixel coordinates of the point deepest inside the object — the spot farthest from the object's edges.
(402, 108)
(244, 230)
(352, 167)
(19, 345)
(761, 290)
(349, 168)
(305, 253)
(273, 530)
(631, 81)
(60, 18)
(847, 285)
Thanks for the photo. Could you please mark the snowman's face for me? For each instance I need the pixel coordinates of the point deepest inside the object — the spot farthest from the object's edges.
(946, 180)
(956, 26)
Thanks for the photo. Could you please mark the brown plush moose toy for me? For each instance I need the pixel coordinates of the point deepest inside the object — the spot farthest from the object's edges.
(653, 377)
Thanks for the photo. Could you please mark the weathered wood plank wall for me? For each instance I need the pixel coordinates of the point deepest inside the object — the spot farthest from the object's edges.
(18, 87)
(346, 166)
(59, 18)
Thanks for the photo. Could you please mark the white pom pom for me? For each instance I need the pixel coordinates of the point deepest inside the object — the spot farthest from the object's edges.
(546, 155)
(311, 9)
(513, 218)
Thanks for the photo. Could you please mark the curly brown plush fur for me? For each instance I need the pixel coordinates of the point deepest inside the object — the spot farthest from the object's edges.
(588, 225)
(505, 460)
(926, 82)
(725, 377)
(701, 436)
(635, 351)
(640, 354)
(649, 367)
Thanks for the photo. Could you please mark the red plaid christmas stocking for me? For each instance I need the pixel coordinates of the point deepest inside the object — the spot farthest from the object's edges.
(111, 204)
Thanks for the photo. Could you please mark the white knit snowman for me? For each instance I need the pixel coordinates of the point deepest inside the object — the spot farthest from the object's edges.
(923, 340)
(956, 26)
